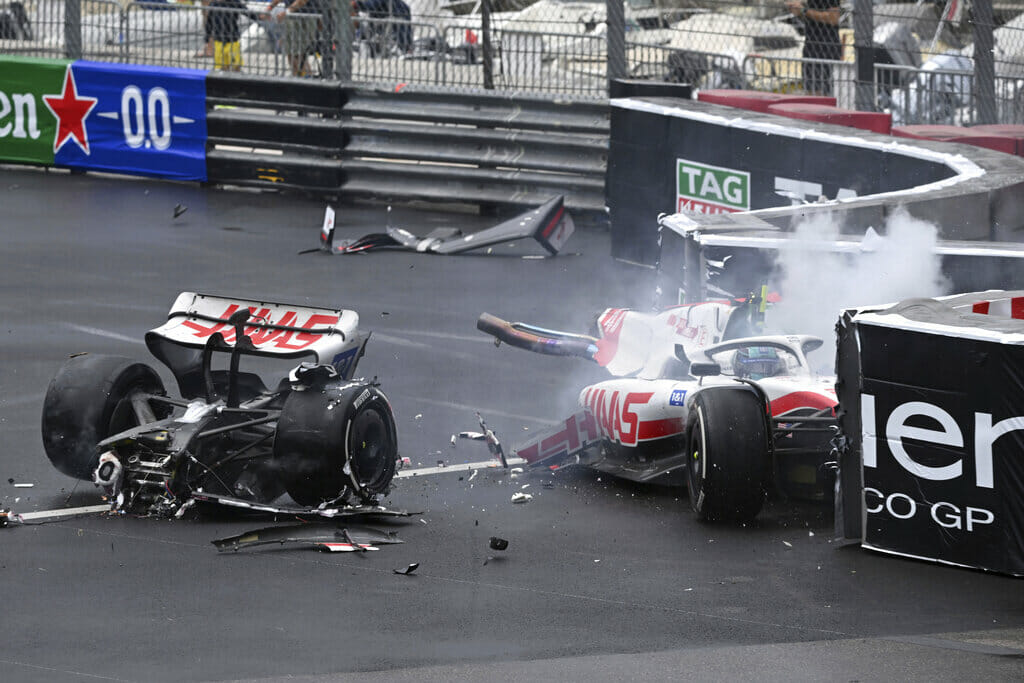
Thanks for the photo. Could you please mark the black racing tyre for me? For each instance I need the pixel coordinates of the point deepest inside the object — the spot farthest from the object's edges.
(88, 400)
(729, 464)
(334, 440)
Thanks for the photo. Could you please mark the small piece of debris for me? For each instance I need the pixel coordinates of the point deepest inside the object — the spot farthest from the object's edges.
(787, 544)
(417, 416)
(453, 441)
(408, 570)
(521, 498)
(23, 486)
(440, 463)
(179, 209)
(384, 314)
(498, 543)
(516, 470)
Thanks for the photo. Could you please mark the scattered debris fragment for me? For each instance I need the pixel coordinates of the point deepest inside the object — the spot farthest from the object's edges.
(498, 543)
(521, 498)
(327, 536)
(485, 434)
(179, 209)
(23, 486)
(549, 224)
(787, 544)
(329, 512)
(408, 570)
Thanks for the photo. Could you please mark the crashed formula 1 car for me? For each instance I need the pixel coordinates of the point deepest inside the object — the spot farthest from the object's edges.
(322, 436)
(695, 393)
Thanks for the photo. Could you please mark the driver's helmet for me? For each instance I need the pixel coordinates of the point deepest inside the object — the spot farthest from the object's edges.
(757, 362)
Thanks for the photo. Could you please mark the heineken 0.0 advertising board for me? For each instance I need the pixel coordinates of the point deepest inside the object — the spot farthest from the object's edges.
(122, 118)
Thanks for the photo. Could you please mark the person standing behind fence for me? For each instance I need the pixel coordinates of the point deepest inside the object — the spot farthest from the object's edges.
(300, 31)
(392, 19)
(223, 25)
(821, 41)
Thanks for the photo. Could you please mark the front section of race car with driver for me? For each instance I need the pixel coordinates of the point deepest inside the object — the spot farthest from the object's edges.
(695, 394)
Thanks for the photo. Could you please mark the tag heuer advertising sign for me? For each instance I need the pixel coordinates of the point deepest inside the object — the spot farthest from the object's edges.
(702, 188)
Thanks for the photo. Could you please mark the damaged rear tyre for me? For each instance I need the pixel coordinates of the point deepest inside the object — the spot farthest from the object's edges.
(89, 400)
(728, 465)
(336, 440)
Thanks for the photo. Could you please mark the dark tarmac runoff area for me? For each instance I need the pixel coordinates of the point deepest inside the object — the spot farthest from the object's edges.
(602, 579)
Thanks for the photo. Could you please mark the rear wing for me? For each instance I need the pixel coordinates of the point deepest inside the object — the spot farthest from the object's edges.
(326, 336)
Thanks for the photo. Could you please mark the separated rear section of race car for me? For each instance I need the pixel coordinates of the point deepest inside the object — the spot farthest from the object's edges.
(318, 434)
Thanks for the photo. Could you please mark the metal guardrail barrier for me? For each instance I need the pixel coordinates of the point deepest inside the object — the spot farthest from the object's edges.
(700, 69)
(351, 141)
(942, 96)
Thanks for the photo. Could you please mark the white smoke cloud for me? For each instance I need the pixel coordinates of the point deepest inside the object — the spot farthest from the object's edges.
(816, 285)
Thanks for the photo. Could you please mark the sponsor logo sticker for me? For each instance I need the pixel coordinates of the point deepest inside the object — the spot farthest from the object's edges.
(707, 189)
(678, 397)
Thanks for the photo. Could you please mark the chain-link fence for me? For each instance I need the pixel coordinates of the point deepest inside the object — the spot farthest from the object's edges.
(934, 61)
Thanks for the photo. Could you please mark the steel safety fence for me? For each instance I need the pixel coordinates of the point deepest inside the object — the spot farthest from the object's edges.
(933, 95)
(567, 48)
(804, 76)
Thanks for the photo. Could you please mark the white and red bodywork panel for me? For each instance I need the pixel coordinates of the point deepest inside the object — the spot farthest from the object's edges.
(631, 412)
(639, 343)
(283, 330)
(998, 304)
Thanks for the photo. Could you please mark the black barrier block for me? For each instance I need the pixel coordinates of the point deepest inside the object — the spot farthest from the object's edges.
(765, 157)
(387, 180)
(840, 166)
(270, 131)
(912, 170)
(942, 470)
(310, 173)
(622, 87)
(958, 214)
(495, 112)
(848, 518)
(559, 152)
(1008, 212)
(291, 93)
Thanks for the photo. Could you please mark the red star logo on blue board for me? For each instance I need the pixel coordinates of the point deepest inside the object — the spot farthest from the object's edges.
(70, 110)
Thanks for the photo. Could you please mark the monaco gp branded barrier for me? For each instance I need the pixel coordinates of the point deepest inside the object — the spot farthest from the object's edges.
(934, 462)
(103, 117)
(405, 143)
(668, 155)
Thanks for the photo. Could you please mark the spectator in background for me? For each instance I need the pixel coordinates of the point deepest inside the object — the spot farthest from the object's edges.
(223, 17)
(300, 30)
(392, 18)
(207, 50)
(821, 41)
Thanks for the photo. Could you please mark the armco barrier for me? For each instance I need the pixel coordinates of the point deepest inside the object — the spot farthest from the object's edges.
(405, 144)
